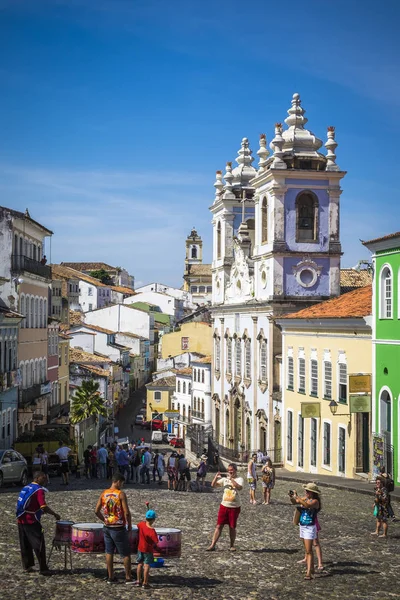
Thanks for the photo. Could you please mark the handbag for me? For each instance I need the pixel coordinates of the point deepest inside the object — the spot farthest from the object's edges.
(376, 510)
(296, 515)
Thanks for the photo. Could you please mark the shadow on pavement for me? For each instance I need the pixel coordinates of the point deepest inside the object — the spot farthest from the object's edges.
(275, 550)
(169, 581)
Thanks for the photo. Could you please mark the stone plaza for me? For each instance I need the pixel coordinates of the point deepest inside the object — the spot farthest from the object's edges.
(265, 566)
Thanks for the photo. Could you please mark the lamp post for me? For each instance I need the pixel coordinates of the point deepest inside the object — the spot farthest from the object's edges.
(151, 423)
(333, 405)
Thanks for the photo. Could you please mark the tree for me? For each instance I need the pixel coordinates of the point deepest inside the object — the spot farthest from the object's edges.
(102, 275)
(87, 402)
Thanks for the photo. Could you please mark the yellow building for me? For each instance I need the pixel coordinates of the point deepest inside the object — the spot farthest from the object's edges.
(159, 393)
(191, 337)
(325, 431)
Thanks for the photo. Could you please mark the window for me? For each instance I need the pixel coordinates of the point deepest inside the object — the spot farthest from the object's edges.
(90, 291)
(193, 289)
(289, 435)
(263, 360)
(194, 374)
(202, 289)
(290, 373)
(314, 378)
(342, 382)
(219, 245)
(217, 354)
(157, 397)
(327, 444)
(22, 310)
(202, 376)
(313, 450)
(184, 387)
(327, 380)
(302, 375)
(31, 313)
(247, 371)
(229, 356)
(189, 388)
(209, 289)
(264, 221)
(202, 407)
(90, 306)
(184, 343)
(178, 386)
(300, 449)
(306, 217)
(386, 296)
(238, 358)
(41, 324)
(194, 252)
(66, 355)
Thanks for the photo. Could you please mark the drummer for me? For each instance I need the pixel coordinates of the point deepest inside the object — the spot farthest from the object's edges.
(112, 508)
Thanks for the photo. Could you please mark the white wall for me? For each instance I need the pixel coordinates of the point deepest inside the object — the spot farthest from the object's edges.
(81, 339)
(202, 390)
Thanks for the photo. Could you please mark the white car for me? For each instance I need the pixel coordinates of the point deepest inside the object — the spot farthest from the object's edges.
(167, 437)
(139, 420)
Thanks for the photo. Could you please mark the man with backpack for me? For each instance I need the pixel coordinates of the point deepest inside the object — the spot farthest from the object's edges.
(201, 473)
(135, 466)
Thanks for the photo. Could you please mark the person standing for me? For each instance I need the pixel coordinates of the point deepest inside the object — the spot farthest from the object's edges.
(123, 463)
(155, 466)
(310, 505)
(252, 478)
(160, 467)
(268, 480)
(62, 453)
(388, 483)
(86, 460)
(103, 456)
(381, 509)
(201, 473)
(31, 505)
(112, 508)
(93, 463)
(148, 542)
(135, 466)
(172, 471)
(145, 470)
(229, 509)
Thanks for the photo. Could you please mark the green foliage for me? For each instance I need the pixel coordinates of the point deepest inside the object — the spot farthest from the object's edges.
(47, 435)
(102, 275)
(87, 402)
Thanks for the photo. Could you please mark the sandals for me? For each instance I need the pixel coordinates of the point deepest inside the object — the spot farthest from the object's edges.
(210, 549)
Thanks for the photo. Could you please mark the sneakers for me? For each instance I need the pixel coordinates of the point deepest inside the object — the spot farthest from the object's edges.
(146, 586)
(46, 573)
(111, 581)
(130, 582)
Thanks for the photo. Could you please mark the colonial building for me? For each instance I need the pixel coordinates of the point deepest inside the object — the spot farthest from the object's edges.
(197, 276)
(386, 353)
(327, 429)
(117, 275)
(276, 249)
(189, 337)
(26, 281)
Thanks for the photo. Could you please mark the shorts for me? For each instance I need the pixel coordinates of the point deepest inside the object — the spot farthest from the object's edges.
(171, 474)
(308, 532)
(145, 557)
(228, 516)
(252, 483)
(185, 475)
(116, 538)
(64, 467)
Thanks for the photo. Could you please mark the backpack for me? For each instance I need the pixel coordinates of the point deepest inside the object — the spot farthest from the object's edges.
(23, 499)
(136, 460)
(202, 470)
(389, 484)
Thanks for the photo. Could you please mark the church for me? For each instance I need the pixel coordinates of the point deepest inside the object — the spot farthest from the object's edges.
(197, 275)
(276, 249)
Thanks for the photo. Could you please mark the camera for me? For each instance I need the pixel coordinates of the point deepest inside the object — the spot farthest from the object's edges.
(291, 493)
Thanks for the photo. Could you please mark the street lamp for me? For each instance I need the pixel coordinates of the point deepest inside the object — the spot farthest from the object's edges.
(151, 423)
(333, 405)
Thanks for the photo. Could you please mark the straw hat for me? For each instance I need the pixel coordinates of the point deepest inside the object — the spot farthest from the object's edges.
(312, 487)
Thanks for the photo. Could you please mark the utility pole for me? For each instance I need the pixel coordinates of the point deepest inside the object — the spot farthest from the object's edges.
(151, 424)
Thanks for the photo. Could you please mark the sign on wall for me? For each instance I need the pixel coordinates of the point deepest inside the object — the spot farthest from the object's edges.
(310, 410)
(184, 343)
(360, 404)
(359, 384)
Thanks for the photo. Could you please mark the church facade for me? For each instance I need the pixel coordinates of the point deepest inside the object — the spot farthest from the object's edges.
(276, 249)
(197, 275)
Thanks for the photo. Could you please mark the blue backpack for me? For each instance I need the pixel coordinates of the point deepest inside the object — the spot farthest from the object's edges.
(24, 497)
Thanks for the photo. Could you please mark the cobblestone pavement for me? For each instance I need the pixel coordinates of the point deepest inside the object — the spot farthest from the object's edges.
(358, 565)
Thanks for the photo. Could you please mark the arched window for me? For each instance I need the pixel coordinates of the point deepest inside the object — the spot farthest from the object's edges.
(386, 294)
(247, 371)
(184, 411)
(306, 217)
(22, 311)
(219, 244)
(189, 388)
(227, 425)
(202, 407)
(263, 360)
(264, 221)
(184, 387)
(194, 374)
(44, 312)
(32, 313)
(229, 356)
(41, 312)
(178, 386)
(194, 251)
(202, 376)
(217, 346)
(238, 357)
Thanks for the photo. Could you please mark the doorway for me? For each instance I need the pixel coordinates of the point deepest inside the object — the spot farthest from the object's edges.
(300, 446)
(342, 450)
(362, 444)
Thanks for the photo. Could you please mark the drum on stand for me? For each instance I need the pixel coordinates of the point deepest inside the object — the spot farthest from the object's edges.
(87, 538)
(63, 532)
(169, 542)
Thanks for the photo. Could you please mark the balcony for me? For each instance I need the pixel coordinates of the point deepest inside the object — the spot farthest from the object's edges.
(20, 263)
(197, 415)
(182, 419)
(31, 394)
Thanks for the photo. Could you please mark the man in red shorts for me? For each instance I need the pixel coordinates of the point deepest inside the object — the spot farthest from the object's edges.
(230, 506)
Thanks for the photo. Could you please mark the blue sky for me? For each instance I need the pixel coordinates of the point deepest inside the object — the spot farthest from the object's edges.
(115, 114)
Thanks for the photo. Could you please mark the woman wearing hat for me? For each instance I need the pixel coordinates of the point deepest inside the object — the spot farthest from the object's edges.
(310, 505)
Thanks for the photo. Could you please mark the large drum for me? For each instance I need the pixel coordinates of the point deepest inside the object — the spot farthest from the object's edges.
(63, 532)
(169, 541)
(87, 537)
(133, 536)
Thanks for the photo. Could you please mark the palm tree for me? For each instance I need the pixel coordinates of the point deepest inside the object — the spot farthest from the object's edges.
(87, 402)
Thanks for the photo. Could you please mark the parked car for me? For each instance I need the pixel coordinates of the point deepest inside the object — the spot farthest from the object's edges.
(143, 411)
(177, 442)
(167, 437)
(157, 425)
(13, 467)
(157, 437)
(139, 420)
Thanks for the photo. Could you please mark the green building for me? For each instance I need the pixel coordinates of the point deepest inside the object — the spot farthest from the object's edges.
(386, 353)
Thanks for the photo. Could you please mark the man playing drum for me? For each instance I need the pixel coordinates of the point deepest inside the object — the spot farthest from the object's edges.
(112, 508)
(30, 506)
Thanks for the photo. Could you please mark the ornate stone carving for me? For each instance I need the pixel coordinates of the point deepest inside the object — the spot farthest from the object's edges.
(307, 272)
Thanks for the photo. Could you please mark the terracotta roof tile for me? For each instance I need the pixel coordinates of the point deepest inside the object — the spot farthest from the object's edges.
(206, 360)
(163, 382)
(123, 290)
(81, 357)
(88, 266)
(351, 279)
(381, 239)
(184, 371)
(200, 270)
(75, 318)
(96, 328)
(69, 273)
(357, 303)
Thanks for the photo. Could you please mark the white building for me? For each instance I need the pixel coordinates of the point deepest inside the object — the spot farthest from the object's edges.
(178, 293)
(168, 305)
(276, 249)
(182, 400)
